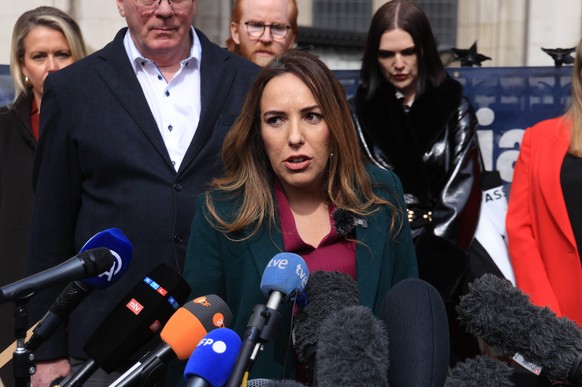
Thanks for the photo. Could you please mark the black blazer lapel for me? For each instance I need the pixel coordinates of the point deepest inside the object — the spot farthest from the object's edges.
(117, 72)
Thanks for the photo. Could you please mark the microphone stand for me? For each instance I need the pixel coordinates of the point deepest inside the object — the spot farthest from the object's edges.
(23, 359)
(259, 330)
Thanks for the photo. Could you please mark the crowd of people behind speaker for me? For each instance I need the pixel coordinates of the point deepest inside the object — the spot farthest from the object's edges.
(290, 171)
(44, 40)
(146, 142)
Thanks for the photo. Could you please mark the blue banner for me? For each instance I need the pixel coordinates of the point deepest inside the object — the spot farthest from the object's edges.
(507, 101)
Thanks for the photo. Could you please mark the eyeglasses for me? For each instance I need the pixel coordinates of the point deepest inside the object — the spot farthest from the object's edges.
(256, 30)
(177, 5)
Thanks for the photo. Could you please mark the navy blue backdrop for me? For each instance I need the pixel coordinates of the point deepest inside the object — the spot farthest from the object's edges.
(507, 101)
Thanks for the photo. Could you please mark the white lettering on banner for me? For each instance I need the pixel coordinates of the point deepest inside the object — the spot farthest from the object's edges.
(493, 194)
(508, 146)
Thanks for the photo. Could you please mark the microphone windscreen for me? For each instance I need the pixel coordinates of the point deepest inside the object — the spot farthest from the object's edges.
(214, 357)
(137, 318)
(96, 260)
(285, 273)
(352, 349)
(417, 323)
(503, 316)
(480, 371)
(191, 322)
(327, 292)
(122, 251)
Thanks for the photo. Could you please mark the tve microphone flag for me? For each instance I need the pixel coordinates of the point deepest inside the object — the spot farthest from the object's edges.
(284, 277)
(213, 359)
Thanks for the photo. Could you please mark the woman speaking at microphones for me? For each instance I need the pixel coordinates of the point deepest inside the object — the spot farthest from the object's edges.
(295, 182)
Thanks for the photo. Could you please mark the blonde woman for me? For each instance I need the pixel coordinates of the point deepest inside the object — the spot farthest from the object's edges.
(44, 40)
(544, 223)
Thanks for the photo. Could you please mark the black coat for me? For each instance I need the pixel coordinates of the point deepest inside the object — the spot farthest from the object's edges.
(433, 149)
(102, 163)
(17, 147)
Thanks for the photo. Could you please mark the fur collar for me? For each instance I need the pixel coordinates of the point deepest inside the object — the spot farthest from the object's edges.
(404, 138)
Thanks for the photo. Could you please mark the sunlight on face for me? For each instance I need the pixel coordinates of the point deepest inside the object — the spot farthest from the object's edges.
(295, 135)
(45, 50)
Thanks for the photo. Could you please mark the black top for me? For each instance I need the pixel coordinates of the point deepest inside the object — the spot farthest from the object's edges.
(571, 180)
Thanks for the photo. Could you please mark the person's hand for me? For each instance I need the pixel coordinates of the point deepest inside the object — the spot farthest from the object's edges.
(48, 371)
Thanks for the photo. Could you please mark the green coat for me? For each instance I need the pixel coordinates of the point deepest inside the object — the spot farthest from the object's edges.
(233, 270)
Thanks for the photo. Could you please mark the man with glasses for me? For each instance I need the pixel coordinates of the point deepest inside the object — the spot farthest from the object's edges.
(262, 29)
(130, 136)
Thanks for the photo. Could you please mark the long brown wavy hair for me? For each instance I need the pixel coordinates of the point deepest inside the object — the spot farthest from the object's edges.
(248, 174)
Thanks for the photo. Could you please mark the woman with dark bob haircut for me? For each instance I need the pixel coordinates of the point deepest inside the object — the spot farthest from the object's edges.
(291, 165)
(413, 119)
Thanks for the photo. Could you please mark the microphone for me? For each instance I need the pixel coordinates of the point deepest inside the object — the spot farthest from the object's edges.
(418, 330)
(326, 292)
(182, 333)
(352, 349)
(213, 359)
(503, 316)
(284, 277)
(85, 264)
(135, 320)
(75, 292)
(481, 371)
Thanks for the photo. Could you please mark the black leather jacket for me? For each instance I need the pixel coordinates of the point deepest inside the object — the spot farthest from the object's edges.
(434, 150)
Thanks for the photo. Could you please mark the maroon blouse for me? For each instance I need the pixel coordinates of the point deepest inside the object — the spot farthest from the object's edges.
(334, 252)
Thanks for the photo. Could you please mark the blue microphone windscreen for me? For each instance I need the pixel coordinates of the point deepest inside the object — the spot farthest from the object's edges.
(214, 357)
(286, 273)
(122, 250)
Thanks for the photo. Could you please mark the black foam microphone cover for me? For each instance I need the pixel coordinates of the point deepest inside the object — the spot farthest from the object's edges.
(504, 317)
(416, 319)
(327, 292)
(137, 318)
(481, 371)
(352, 349)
